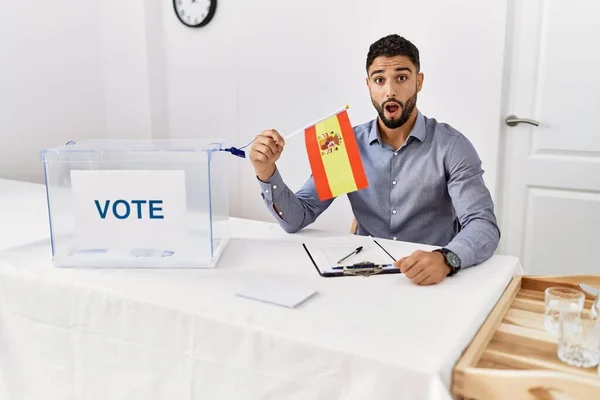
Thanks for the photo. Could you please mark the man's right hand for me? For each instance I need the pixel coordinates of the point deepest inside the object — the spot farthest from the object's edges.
(265, 150)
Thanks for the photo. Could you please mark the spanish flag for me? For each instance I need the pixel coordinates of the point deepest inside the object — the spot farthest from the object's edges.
(334, 156)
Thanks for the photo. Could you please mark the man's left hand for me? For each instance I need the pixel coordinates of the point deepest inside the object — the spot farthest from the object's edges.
(424, 267)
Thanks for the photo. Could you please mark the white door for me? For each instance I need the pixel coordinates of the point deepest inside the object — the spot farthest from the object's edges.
(550, 195)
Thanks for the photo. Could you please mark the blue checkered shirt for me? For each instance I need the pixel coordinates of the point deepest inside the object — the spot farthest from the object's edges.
(430, 190)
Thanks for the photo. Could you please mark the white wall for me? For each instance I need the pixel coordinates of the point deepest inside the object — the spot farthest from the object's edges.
(51, 88)
(125, 68)
(273, 64)
(131, 69)
(69, 71)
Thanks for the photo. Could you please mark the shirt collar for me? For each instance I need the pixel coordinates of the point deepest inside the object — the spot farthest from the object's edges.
(418, 131)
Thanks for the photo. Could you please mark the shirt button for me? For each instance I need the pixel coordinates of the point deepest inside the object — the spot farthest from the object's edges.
(394, 238)
(393, 182)
(395, 153)
(393, 211)
(266, 190)
(274, 187)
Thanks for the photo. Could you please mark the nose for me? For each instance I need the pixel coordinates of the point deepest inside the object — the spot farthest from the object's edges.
(390, 92)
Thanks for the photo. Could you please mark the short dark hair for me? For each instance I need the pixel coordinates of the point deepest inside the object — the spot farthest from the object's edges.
(393, 45)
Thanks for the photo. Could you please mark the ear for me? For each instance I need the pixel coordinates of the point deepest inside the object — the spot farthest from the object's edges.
(368, 82)
(420, 78)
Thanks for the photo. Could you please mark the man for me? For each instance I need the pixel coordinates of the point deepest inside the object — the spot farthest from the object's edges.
(425, 178)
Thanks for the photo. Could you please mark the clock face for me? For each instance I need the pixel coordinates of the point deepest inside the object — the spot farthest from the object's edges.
(453, 260)
(195, 13)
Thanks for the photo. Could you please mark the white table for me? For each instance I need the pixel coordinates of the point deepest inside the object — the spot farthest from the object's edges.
(183, 334)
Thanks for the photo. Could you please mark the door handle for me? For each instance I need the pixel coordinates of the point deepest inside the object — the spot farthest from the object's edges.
(513, 120)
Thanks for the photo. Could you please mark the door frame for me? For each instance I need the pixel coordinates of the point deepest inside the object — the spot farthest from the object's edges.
(521, 61)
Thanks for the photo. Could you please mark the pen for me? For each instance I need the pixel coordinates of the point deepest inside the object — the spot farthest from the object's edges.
(356, 251)
(364, 265)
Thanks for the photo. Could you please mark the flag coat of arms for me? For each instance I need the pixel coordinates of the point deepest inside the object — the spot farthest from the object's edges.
(334, 157)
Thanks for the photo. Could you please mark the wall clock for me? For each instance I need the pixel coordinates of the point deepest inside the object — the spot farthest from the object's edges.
(195, 13)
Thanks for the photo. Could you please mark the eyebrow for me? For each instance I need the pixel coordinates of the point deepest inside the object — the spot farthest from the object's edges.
(380, 71)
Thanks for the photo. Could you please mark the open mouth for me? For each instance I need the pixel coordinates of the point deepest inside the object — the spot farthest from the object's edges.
(391, 108)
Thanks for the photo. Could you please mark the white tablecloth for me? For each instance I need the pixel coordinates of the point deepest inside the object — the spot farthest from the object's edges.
(23, 213)
(183, 334)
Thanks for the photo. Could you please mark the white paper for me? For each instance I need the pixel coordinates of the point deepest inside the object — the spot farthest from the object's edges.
(278, 292)
(327, 252)
(94, 196)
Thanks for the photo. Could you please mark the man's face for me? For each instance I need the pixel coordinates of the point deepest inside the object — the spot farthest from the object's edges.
(393, 85)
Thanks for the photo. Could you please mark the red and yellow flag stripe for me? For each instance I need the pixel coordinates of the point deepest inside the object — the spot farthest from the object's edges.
(338, 168)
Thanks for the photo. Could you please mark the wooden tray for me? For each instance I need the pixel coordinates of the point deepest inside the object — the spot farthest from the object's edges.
(512, 356)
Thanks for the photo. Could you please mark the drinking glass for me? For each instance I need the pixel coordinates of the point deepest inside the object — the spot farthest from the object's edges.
(595, 312)
(561, 300)
(578, 341)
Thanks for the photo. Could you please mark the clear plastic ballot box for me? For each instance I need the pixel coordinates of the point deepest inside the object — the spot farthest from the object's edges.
(137, 203)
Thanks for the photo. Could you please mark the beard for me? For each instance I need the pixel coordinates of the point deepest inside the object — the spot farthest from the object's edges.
(407, 109)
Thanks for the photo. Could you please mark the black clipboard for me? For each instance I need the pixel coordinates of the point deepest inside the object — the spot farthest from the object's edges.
(356, 269)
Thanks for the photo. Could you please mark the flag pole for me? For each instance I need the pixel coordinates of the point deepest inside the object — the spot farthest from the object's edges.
(316, 122)
(239, 152)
